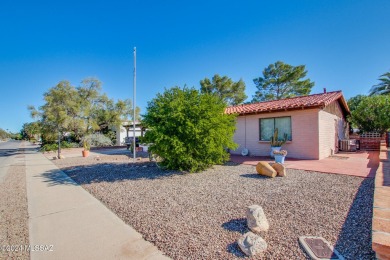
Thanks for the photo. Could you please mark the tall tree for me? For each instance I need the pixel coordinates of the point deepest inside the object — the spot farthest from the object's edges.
(188, 129)
(88, 97)
(383, 88)
(60, 110)
(232, 93)
(107, 113)
(281, 80)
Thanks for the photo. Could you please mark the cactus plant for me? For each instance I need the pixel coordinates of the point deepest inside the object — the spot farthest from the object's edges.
(274, 139)
(86, 145)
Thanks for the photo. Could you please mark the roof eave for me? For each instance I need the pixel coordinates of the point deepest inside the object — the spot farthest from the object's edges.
(279, 110)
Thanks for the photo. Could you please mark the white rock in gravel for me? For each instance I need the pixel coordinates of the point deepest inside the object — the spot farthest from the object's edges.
(252, 244)
(256, 219)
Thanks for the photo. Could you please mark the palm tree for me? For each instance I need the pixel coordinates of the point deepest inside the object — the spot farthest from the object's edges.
(382, 88)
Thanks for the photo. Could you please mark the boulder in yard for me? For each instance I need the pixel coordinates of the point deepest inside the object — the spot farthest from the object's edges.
(252, 244)
(263, 168)
(256, 219)
(280, 169)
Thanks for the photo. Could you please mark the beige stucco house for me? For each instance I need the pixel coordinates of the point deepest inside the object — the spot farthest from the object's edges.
(314, 125)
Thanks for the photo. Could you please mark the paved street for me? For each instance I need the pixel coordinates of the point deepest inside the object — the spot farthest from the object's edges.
(8, 152)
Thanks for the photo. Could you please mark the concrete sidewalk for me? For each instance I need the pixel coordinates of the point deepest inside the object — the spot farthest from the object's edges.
(69, 223)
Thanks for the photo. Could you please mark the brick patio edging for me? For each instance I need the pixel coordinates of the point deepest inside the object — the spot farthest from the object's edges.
(381, 207)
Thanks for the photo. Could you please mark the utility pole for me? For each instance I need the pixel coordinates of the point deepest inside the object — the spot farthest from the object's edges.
(134, 92)
(59, 144)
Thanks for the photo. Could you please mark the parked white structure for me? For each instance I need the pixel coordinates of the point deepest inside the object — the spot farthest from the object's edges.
(126, 130)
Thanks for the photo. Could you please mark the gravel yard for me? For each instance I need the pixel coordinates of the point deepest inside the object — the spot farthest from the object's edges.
(201, 215)
(14, 214)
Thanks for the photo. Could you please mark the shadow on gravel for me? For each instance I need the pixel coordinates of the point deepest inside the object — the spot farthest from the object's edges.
(235, 250)
(236, 225)
(116, 172)
(354, 241)
(57, 177)
(253, 176)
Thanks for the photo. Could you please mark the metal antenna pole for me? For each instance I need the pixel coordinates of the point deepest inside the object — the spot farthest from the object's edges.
(134, 92)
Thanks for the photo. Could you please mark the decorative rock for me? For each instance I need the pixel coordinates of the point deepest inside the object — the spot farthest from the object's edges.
(256, 219)
(252, 244)
(280, 169)
(263, 168)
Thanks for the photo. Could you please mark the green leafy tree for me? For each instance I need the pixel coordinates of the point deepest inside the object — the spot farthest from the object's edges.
(59, 113)
(188, 129)
(126, 108)
(354, 102)
(383, 88)
(79, 111)
(281, 80)
(30, 130)
(372, 114)
(109, 113)
(233, 93)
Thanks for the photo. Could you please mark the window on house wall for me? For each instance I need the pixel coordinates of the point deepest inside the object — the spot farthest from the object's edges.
(268, 126)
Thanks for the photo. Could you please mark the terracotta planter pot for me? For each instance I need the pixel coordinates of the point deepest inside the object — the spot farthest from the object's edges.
(85, 153)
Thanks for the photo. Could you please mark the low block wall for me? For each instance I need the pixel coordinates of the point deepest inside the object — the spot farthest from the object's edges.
(381, 210)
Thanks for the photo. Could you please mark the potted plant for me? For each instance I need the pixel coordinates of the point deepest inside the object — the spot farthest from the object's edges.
(280, 156)
(276, 144)
(87, 147)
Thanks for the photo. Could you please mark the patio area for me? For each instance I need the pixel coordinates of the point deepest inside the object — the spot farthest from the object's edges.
(362, 163)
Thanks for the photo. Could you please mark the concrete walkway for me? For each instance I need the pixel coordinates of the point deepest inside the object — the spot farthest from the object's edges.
(69, 223)
(361, 164)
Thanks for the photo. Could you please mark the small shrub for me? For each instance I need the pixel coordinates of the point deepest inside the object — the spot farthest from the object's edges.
(112, 135)
(65, 144)
(97, 140)
(49, 147)
(54, 146)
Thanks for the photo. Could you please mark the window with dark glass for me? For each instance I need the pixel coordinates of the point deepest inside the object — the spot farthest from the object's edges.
(268, 126)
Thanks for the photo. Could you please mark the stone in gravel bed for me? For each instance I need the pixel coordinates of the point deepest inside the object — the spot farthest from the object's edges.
(256, 219)
(201, 215)
(252, 244)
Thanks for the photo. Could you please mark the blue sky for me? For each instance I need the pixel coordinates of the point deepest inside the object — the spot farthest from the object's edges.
(344, 45)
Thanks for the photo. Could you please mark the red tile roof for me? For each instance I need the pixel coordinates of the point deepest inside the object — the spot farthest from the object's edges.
(301, 102)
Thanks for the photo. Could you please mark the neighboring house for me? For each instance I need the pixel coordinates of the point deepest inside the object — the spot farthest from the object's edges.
(314, 125)
(126, 130)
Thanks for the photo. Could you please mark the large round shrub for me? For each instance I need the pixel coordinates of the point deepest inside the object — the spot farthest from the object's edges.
(188, 129)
